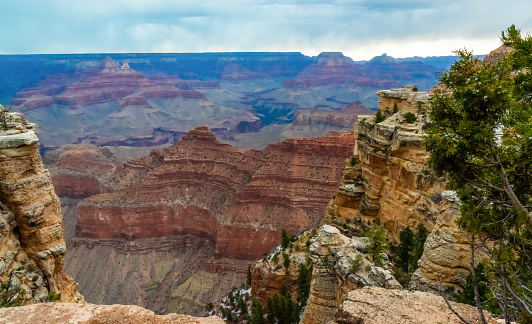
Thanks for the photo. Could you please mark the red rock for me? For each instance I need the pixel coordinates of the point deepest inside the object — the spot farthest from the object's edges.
(240, 200)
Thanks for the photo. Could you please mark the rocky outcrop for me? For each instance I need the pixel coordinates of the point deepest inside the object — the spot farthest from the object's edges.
(223, 205)
(387, 177)
(318, 122)
(334, 274)
(497, 54)
(446, 257)
(373, 305)
(33, 245)
(52, 313)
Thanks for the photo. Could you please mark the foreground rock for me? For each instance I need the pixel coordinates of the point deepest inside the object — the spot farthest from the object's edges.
(52, 313)
(333, 275)
(373, 305)
(31, 231)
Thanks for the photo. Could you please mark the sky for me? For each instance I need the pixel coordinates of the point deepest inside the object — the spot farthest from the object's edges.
(361, 29)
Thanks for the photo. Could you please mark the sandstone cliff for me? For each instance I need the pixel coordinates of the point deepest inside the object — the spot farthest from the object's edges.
(387, 177)
(31, 231)
(201, 199)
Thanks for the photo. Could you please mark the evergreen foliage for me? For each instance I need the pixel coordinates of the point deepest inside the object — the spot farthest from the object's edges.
(409, 118)
(285, 239)
(480, 137)
(467, 296)
(378, 243)
(257, 312)
(304, 277)
(404, 250)
(395, 108)
(357, 263)
(286, 261)
(379, 117)
(248, 276)
(282, 309)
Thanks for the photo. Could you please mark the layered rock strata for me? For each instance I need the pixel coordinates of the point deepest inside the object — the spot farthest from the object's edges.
(224, 205)
(446, 258)
(33, 245)
(387, 176)
(333, 256)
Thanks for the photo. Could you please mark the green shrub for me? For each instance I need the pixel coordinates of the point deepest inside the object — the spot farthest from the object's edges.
(357, 263)
(378, 243)
(395, 108)
(379, 117)
(5, 118)
(409, 117)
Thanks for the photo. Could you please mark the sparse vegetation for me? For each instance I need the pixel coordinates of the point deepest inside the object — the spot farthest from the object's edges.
(409, 118)
(395, 108)
(357, 263)
(379, 117)
(285, 239)
(378, 243)
(409, 251)
(5, 118)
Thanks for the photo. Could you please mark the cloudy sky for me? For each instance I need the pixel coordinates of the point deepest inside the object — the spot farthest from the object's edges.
(360, 29)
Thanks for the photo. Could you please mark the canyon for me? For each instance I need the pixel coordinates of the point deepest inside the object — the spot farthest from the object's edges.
(176, 229)
(148, 100)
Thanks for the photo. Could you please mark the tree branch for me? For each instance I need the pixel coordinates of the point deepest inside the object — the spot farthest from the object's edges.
(442, 293)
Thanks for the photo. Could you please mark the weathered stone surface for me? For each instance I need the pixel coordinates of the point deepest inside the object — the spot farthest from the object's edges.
(333, 255)
(387, 177)
(447, 254)
(373, 305)
(31, 231)
(51, 313)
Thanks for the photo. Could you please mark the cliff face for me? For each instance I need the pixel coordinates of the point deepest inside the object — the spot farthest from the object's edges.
(33, 245)
(221, 205)
(333, 275)
(387, 177)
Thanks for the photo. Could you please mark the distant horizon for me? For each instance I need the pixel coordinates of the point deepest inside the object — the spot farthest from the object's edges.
(235, 52)
(361, 29)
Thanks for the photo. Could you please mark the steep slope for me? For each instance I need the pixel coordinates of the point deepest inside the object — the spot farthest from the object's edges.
(31, 232)
(200, 199)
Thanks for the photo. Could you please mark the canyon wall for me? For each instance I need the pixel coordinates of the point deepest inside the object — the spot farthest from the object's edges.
(387, 177)
(33, 245)
(202, 199)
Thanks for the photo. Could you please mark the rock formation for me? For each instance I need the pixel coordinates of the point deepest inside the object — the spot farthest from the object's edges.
(373, 305)
(203, 199)
(145, 100)
(32, 241)
(387, 177)
(446, 257)
(52, 313)
(333, 255)
(318, 122)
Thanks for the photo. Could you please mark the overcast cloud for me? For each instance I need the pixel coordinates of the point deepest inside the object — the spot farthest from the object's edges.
(360, 29)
